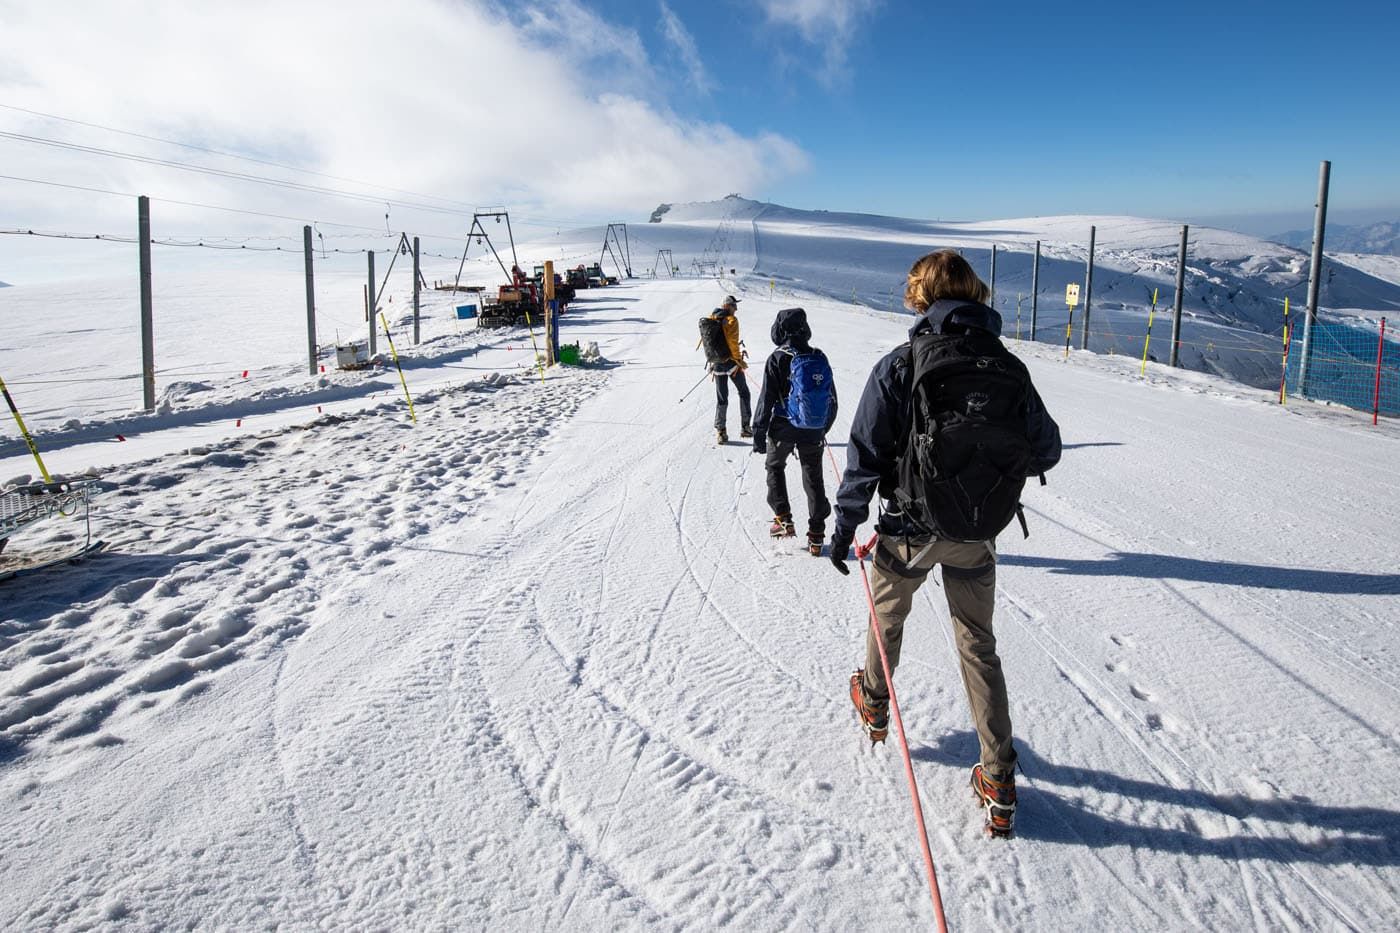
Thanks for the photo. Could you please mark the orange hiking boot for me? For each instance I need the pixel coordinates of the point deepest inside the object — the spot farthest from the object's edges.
(874, 713)
(997, 796)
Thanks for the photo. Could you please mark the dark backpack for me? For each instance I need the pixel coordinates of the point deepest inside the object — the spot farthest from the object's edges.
(809, 391)
(968, 449)
(712, 341)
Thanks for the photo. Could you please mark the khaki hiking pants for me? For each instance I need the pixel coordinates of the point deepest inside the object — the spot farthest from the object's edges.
(969, 580)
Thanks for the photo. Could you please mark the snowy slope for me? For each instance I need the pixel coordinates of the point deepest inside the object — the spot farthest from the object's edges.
(1385, 268)
(534, 664)
(1235, 284)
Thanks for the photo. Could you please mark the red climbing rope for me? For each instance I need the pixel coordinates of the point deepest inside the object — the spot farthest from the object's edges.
(861, 553)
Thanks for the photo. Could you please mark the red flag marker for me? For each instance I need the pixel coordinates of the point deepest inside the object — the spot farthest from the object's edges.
(119, 437)
(238, 423)
(245, 374)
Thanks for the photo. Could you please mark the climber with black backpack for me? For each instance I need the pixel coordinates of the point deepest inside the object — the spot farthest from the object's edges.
(726, 359)
(796, 408)
(948, 430)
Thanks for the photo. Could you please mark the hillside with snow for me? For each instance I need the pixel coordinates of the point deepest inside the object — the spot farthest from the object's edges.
(1232, 306)
(532, 662)
(1385, 268)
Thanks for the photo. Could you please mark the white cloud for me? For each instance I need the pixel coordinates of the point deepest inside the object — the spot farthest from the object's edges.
(675, 32)
(827, 24)
(601, 53)
(550, 110)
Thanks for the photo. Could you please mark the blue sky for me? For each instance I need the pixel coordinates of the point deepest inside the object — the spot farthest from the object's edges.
(980, 110)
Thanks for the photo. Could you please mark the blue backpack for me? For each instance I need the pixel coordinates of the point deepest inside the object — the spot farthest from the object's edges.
(809, 398)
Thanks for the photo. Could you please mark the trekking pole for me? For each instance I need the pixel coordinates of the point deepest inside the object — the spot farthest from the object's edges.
(934, 892)
(28, 438)
(693, 388)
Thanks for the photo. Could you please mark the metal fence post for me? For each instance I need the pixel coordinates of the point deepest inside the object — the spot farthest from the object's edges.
(148, 335)
(310, 301)
(369, 304)
(1180, 289)
(1035, 288)
(417, 280)
(1314, 275)
(994, 276)
(1088, 292)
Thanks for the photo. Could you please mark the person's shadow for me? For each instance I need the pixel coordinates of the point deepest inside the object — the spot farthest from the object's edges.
(1050, 808)
(1229, 573)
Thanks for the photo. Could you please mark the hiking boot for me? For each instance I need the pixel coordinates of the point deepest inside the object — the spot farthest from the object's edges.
(721, 437)
(995, 793)
(814, 543)
(782, 527)
(874, 713)
(745, 431)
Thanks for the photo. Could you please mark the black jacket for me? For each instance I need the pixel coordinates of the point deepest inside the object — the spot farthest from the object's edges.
(882, 420)
(791, 333)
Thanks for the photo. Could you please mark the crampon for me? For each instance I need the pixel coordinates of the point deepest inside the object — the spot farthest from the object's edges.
(997, 798)
(874, 713)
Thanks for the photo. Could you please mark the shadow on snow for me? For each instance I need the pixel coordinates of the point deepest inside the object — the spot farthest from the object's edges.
(1169, 567)
(1350, 835)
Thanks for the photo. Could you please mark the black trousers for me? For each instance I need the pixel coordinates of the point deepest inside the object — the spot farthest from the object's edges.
(809, 457)
(741, 385)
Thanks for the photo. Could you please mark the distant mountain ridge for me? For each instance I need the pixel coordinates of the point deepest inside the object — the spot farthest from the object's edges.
(1379, 238)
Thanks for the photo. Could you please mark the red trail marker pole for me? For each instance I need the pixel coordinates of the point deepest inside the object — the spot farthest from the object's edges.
(1380, 353)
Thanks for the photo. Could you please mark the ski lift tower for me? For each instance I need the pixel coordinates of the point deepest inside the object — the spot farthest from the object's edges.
(611, 237)
(478, 230)
(664, 254)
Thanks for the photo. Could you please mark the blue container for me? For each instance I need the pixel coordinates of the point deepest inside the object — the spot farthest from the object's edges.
(466, 311)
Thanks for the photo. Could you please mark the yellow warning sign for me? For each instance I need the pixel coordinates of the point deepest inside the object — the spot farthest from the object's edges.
(1072, 295)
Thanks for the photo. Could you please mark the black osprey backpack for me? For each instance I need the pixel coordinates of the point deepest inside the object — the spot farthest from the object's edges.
(712, 341)
(965, 458)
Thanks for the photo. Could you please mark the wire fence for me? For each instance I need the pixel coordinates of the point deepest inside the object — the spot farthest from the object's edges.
(1347, 364)
(1236, 344)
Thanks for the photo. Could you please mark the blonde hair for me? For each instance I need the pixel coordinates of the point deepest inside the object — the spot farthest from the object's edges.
(943, 274)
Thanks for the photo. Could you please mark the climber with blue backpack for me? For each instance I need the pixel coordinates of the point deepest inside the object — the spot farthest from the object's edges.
(796, 408)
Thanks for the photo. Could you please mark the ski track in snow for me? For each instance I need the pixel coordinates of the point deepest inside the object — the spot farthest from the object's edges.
(530, 665)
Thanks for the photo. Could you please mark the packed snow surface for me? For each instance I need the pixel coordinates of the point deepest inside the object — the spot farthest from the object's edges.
(533, 662)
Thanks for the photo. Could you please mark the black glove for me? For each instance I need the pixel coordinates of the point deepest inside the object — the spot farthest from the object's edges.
(841, 550)
(760, 446)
